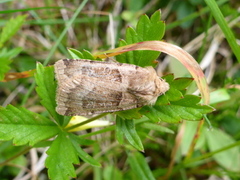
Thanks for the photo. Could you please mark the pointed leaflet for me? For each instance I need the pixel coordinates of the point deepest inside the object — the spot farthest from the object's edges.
(5, 60)
(46, 89)
(127, 128)
(183, 109)
(11, 27)
(140, 166)
(61, 156)
(152, 29)
(87, 55)
(75, 53)
(24, 126)
(81, 153)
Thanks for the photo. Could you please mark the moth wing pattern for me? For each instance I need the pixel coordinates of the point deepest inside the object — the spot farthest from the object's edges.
(88, 87)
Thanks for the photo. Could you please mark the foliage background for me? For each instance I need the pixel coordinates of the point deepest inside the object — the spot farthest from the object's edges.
(99, 26)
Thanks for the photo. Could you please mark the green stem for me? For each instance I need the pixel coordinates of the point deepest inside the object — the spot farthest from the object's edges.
(217, 14)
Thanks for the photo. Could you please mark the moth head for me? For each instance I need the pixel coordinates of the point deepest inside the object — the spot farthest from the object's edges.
(163, 86)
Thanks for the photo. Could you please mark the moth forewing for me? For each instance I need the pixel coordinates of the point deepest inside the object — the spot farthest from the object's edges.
(88, 87)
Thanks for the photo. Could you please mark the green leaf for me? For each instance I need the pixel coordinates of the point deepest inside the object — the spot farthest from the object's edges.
(111, 172)
(155, 17)
(119, 132)
(24, 126)
(181, 83)
(219, 95)
(63, 153)
(128, 130)
(80, 55)
(75, 53)
(183, 109)
(13, 155)
(173, 94)
(5, 60)
(176, 90)
(11, 27)
(132, 36)
(146, 30)
(46, 89)
(85, 142)
(81, 153)
(177, 87)
(229, 158)
(61, 156)
(140, 166)
(157, 127)
(5, 53)
(87, 55)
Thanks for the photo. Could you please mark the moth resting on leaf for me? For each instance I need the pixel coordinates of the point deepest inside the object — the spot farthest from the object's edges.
(88, 87)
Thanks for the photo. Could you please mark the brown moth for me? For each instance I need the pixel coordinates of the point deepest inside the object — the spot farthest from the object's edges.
(88, 87)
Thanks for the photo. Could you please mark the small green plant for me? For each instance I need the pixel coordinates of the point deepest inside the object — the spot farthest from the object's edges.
(7, 32)
(30, 129)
